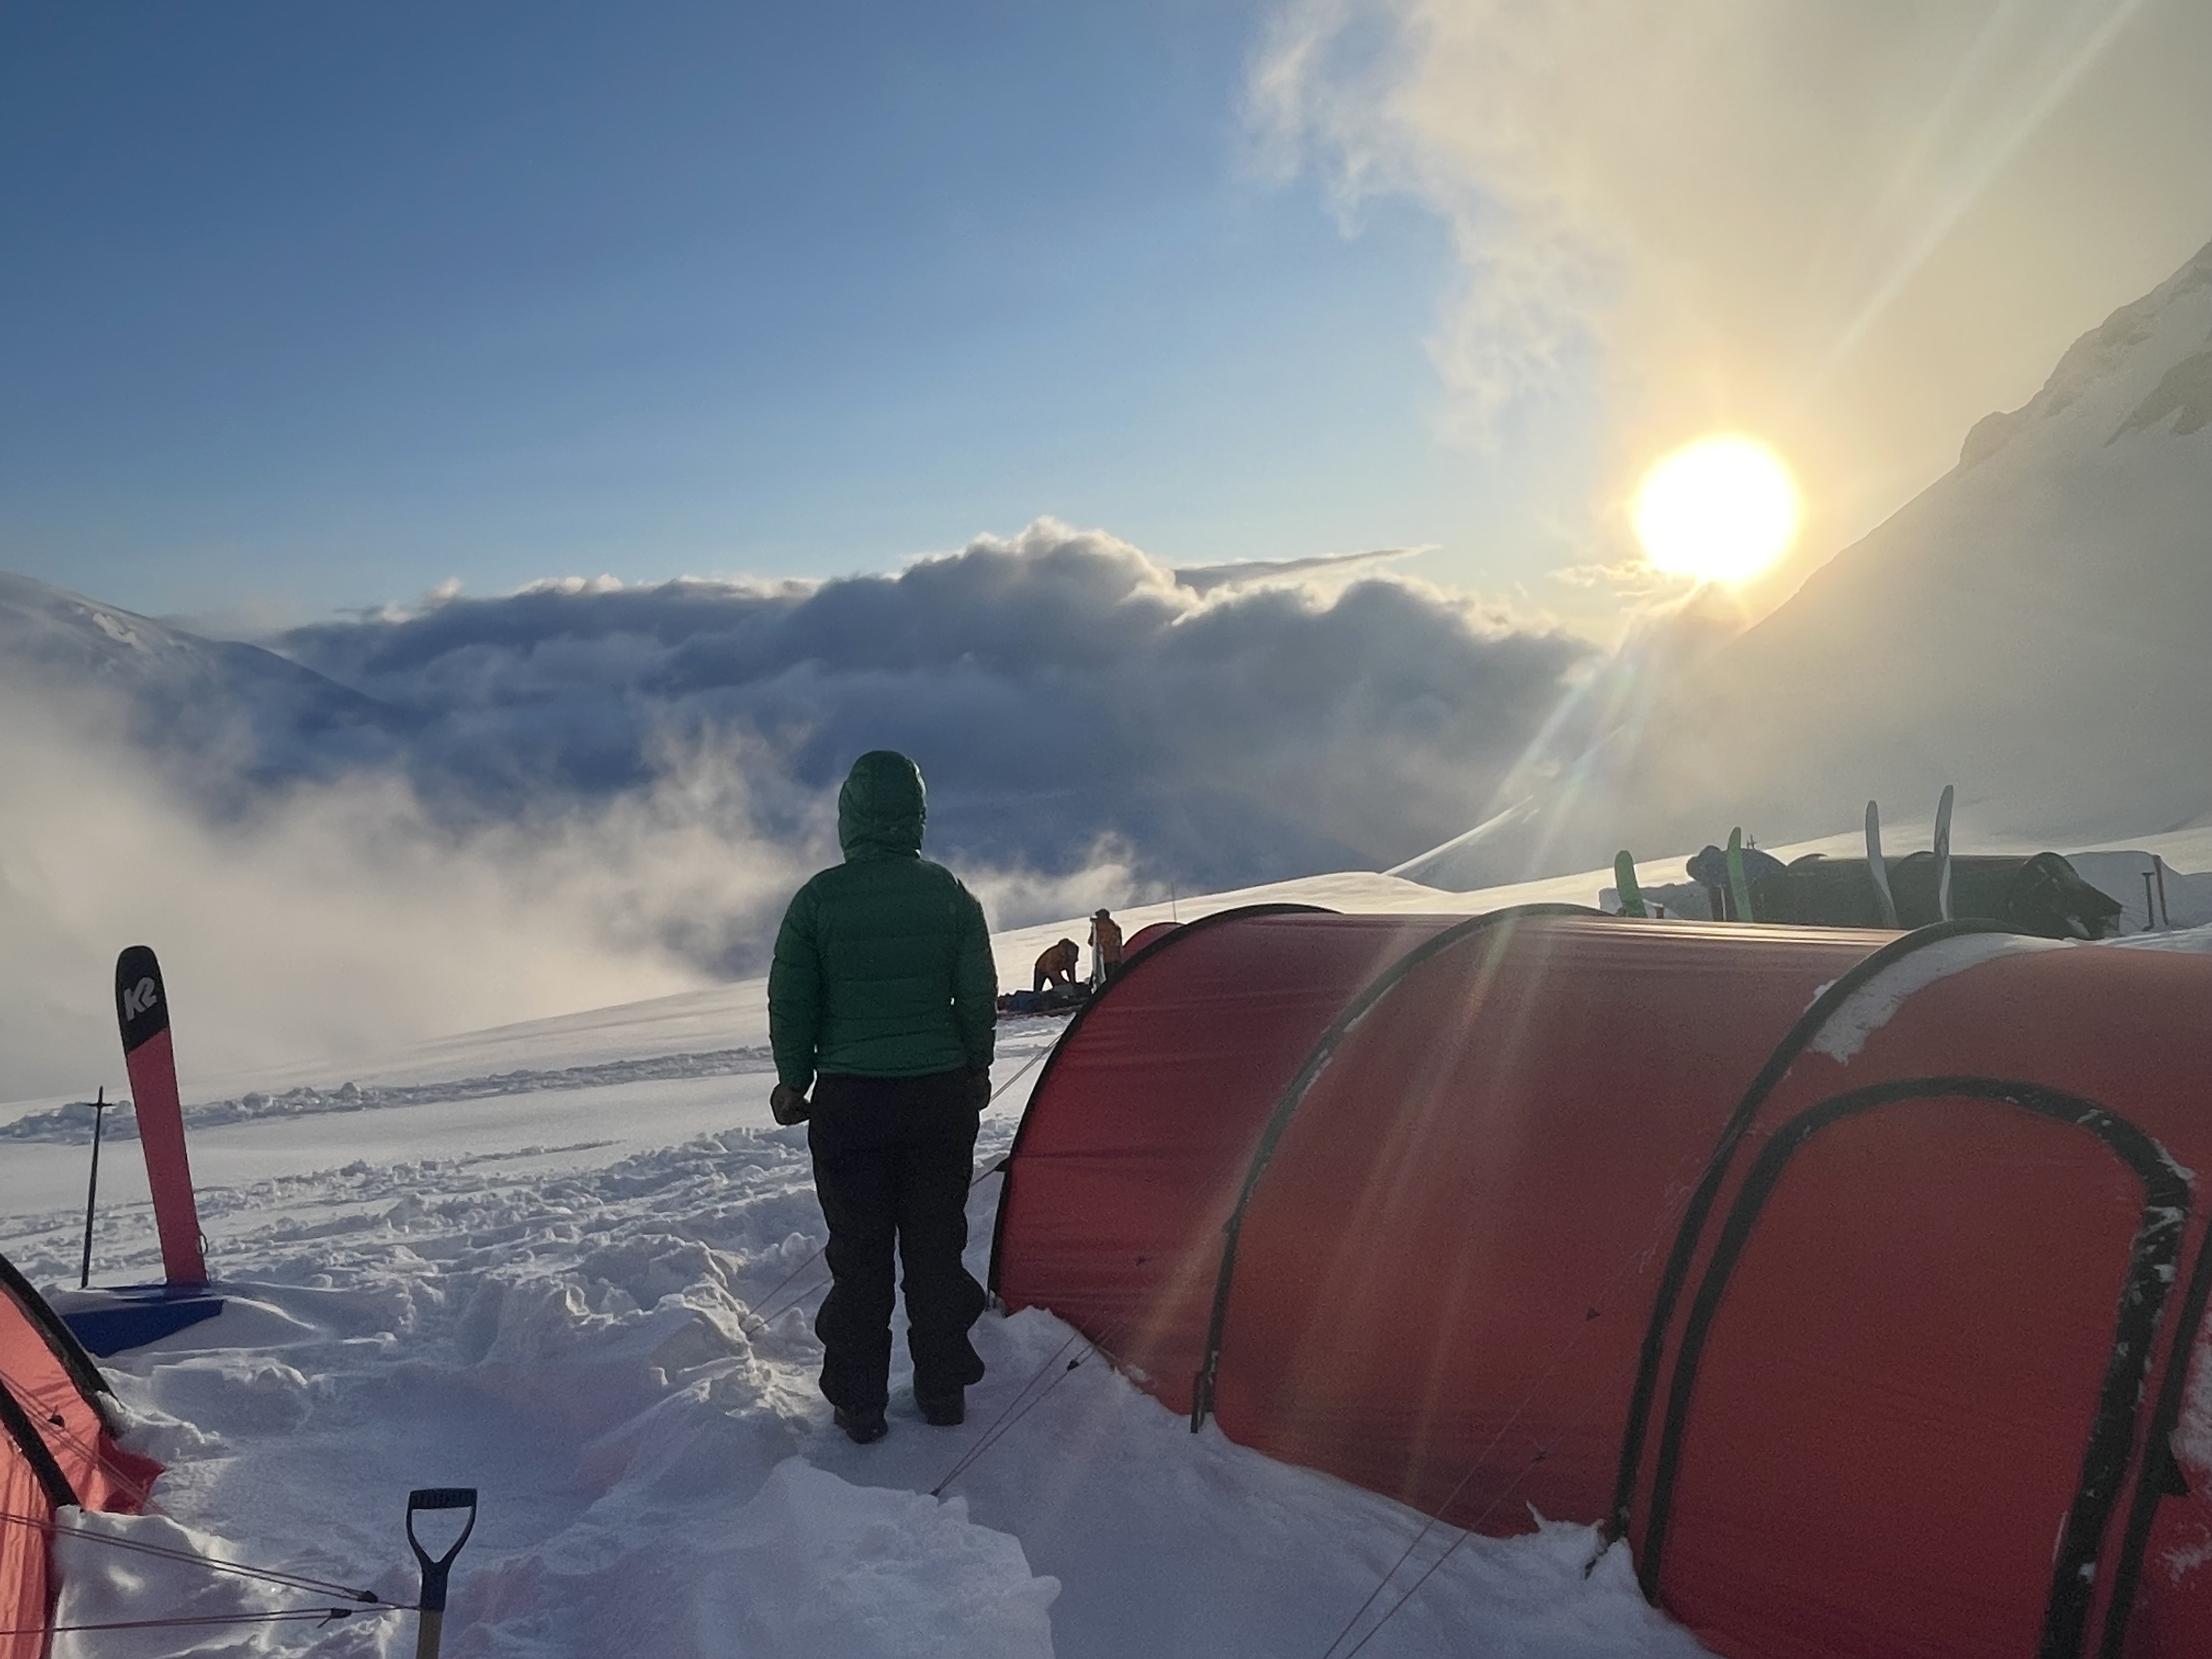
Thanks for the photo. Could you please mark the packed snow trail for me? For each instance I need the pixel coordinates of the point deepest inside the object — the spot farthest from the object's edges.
(574, 1334)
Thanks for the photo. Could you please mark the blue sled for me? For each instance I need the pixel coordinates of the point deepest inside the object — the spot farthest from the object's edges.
(131, 1316)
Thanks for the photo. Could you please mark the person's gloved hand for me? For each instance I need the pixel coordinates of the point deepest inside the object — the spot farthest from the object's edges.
(979, 1087)
(789, 1105)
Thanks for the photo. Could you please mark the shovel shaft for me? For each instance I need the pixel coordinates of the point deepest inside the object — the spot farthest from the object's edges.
(436, 1568)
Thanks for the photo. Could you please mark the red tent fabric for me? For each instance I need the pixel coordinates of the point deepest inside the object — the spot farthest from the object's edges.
(1855, 1278)
(1126, 1180)
(1151, 933)
(56, 1450)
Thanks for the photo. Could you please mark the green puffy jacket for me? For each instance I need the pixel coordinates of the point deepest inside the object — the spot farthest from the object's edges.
(883, 967)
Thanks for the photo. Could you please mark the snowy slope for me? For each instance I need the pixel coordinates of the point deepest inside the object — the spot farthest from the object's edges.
(593, 1302)
(2031, 627)
(573, 1263)
(721, 1033)
(724, 1029)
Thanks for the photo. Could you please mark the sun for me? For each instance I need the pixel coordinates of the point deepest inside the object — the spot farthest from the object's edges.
(1722, 510)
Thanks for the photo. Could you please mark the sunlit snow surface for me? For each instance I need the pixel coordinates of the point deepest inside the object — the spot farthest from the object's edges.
(572, 1263)
(593, 1303)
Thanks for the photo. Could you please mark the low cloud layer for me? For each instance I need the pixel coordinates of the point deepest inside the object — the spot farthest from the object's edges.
(502, 809)
(326, 918)
(1069, 700)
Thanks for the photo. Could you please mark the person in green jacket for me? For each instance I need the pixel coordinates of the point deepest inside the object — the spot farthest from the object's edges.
(883, 997)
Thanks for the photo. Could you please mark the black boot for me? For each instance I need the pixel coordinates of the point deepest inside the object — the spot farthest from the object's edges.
(944, 1410)
(866, 1427)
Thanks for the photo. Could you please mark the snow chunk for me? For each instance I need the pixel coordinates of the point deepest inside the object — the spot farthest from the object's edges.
(102, 1584)
(2188, 941)
(817, 1566)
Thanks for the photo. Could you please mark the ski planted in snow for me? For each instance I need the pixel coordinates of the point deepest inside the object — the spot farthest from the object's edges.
(1943, 856)
(141, 1010)
(1739, 888)
(1632, 892)
(1878, 867)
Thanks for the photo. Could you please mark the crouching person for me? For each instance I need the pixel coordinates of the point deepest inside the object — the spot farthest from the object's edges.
(882, 999)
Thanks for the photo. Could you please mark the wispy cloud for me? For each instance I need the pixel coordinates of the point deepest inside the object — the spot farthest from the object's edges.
(1854, 228)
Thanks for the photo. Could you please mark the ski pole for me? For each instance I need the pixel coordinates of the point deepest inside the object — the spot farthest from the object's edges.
(92, 1188)
(431, 1603)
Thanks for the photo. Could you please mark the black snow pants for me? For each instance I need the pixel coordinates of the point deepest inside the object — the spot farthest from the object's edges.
(893, 1157)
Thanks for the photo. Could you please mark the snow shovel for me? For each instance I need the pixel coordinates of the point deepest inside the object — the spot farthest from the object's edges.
(432, 1602)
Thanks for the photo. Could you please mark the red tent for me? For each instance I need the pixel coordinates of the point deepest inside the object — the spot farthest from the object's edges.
(1854, 1278)
(56, 1450)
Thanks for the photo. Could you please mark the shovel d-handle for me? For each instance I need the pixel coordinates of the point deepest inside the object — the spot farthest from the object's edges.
(436, 1569)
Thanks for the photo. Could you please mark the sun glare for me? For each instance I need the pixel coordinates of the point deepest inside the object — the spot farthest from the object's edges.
(1722, 510)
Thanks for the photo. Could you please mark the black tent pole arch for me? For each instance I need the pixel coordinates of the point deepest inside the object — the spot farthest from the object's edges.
(1294, 1094)
(1799, 1037)
(16, 1424)
(57, 1336)
(2158, 1475)
(2152, 1254)
(1182, 934)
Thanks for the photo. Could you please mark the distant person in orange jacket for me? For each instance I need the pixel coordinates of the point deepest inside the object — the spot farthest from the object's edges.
(1105, 948)
(1057, 965)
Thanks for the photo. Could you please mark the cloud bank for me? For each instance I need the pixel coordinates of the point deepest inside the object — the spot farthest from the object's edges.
(1068, 699)
(477, 810)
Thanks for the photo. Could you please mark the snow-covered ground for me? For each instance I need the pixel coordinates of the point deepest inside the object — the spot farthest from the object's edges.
(574, 1264)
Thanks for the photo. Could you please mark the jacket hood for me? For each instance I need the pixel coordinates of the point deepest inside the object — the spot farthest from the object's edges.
(882, 808)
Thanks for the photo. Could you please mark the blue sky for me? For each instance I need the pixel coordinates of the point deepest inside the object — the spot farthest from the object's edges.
(310, 307)
(315, 306)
